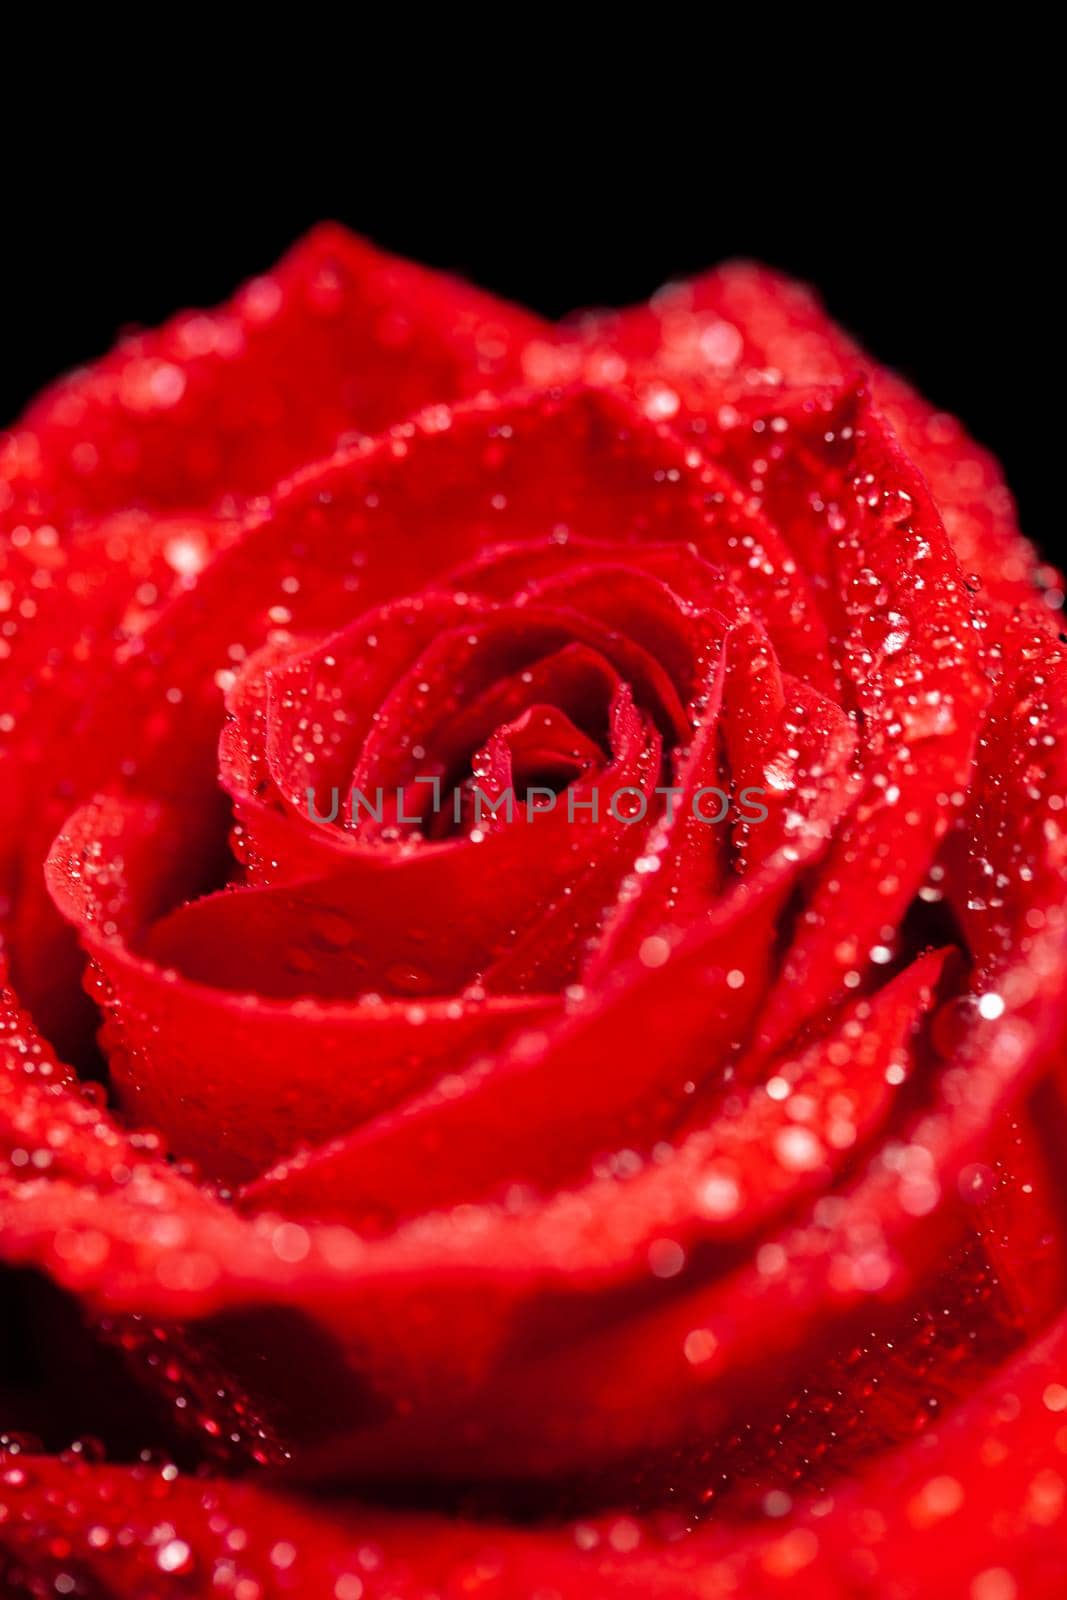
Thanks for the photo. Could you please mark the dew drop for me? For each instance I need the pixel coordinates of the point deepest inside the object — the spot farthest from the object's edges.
(332, 929)
(174, 1557)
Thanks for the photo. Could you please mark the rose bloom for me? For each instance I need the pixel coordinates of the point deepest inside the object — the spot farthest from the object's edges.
(584, 1202)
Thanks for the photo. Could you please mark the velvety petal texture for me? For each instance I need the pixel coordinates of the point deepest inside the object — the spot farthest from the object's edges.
(533, 905)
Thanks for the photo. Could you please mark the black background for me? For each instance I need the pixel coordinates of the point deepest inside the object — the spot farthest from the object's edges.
(940, 254)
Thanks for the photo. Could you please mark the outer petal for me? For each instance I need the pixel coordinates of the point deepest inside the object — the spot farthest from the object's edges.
(338, 339)
(974, 1511)
(124, 481)
(699, 345)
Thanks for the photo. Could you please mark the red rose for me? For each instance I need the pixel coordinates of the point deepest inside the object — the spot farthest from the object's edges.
(566, 827)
